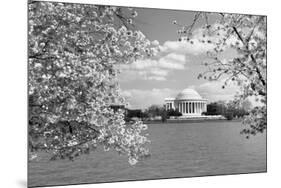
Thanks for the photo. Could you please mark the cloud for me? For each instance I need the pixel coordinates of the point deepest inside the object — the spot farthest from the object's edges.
(141, 99)
(193, 46)
(200, 42)
(153, 69)
(170, 61)
(174, 56)
(213, 91)
(155, 42)
(187, 48)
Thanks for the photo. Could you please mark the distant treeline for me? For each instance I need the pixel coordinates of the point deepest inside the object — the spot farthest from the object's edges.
(229, 110)
(153, 112)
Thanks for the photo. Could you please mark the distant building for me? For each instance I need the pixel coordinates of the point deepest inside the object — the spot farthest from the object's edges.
(188, 102)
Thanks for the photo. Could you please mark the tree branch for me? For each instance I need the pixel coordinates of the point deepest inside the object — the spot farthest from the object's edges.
(258, 71)
(252, 58)
(238, 34)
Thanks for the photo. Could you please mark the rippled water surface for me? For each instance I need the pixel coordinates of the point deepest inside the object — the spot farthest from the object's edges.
(178, 150)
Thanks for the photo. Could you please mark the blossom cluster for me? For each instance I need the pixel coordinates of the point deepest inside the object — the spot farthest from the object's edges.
(243, 36)
(73, 81)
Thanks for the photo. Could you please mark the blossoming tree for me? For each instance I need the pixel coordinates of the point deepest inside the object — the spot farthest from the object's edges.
(245, 36)
(73, 50)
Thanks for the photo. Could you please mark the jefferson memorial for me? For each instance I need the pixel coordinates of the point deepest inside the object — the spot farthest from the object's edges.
(188, 102)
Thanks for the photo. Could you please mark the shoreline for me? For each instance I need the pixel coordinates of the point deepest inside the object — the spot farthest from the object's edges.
(190, 121)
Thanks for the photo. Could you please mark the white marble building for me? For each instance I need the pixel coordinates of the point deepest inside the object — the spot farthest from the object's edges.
(188, 102)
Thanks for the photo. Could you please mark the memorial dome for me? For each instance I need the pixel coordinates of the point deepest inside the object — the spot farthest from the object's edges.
(188, 94)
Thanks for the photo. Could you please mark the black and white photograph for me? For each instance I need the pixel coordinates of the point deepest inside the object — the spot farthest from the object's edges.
(124, 93)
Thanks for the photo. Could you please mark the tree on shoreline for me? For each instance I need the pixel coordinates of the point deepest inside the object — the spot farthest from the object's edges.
(246, 36)
(72, 51)
(228, 109)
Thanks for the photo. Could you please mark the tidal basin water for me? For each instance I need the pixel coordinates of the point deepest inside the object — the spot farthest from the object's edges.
(177, 150)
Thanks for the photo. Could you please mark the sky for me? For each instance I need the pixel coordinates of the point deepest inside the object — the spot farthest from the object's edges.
(176, 67)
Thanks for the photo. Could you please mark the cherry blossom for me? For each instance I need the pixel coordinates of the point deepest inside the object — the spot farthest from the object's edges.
(73, 50)
(246, 36)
